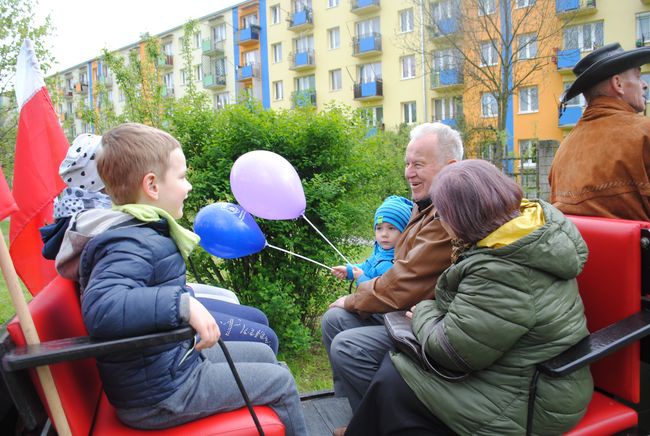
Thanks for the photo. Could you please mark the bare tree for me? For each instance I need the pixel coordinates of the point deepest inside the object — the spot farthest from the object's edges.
(496, 47)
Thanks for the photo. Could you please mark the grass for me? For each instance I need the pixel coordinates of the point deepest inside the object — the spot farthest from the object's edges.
(311, 369)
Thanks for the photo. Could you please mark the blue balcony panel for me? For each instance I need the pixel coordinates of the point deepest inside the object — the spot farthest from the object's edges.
(566, 5)
(302, 59)
(248, 34)
(246, 72)
(368, 43)
(448, 26)
(364, 3)
(568, 58)
(451, 122)
(299, 18)
(570, 116)
(450, 77)
(368, 89)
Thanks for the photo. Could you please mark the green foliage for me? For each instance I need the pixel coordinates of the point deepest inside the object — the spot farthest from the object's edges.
(17, 22)
(344, 175)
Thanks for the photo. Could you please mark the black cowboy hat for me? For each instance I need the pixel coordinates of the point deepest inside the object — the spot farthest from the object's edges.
(603, 63)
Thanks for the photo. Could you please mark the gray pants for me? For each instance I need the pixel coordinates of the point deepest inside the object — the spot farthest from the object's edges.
(355, 348)
(212, 389)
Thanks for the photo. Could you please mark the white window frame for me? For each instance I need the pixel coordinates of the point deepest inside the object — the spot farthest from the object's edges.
(374, 116)
(275, 13)
(442, 10)
(304, 44)
(183, 77)
(305, 83)
(486, 7)
(278, 90)
(643, 20)
(578, 100)
(446, 108)
(369, 73)
(168, 80)
(589, 36)
(489, 55)
(168, 49)
(446, 59)
(336, 80)
(407, 64)
(409, 112)
(489, 105)
(334, 38)
(198, 72)
(221, 100)
(332, 3)
(526, 145)
(276, 49)
(219, 32)
(406, 20)
(367, 27)
(527, 46)
(198, 42)
(528, 100)
(524, 3)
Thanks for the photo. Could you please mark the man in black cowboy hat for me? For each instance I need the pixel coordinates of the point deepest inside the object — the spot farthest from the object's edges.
(602, 167)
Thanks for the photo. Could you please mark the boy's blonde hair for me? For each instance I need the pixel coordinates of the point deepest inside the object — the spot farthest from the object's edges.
(129, 152)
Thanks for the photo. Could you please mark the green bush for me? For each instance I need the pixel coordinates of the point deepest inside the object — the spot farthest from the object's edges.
(345, 175)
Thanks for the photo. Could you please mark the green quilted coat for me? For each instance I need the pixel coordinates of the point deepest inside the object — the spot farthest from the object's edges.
(505, 310)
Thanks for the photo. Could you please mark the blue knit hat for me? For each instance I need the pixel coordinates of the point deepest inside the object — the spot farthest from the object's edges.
(395, 210)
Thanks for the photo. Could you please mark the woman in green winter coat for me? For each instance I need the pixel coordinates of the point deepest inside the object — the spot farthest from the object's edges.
(508, 302)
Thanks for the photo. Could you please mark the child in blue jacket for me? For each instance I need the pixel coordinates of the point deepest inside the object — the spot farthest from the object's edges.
(390, 220)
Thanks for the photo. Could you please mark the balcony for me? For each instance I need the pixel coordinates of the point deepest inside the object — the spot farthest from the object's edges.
(369, 90)
(446, 78)
(301, 20)
(247, 72)
(68, 93)
(570, 117)
(249, 35)
(304, 60)
(444, 27)
(576, 8)
(166, 62)
(451, 122)
(168, 91)
(303, 98)
(211, 47)
(80, 87)
(361, 7)
(214, 81)
(567, 59)
(367, 45)
(107, 81)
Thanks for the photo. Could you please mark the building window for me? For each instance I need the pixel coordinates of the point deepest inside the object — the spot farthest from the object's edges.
(406, 20)
(586, 37)
(221, 100)
(443, 10)
(578, 100)
(120, 97)
(248, 21)
(306, 83)
(489, 107)
(374, 116)
(278, 90)
(527, 152)
(489, 55)
(197, 40)
(486, 7)
(167, 49)
(448, 108)
(448, 59)
(524, 3)
(168, 80)
(335, 80)
(304, 44)
(527, 46)
(409, 111)
(332, 3)
(528, 99)
(183, 77)
(369, 73)
(334, 38)
(368, 27)
(276, 49)
(198, 70)
(219, 32)
(408, 66)
(643, 28)
(275, 14)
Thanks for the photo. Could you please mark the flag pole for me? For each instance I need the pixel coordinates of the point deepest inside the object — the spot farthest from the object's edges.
(31, 336)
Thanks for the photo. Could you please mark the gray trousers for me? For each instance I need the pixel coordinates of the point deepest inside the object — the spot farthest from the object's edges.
(212, 389)
(355, 348)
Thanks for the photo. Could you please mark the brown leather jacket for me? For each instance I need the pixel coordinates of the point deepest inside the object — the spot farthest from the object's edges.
(422, 253)
(601, 168)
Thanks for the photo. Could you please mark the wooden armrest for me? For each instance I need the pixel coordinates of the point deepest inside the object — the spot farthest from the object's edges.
(62, 350)
(598, 345)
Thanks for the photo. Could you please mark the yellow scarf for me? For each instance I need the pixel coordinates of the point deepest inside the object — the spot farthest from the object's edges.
(185, 239)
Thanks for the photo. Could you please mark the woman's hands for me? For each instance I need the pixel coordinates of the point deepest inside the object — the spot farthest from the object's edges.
(203, 322)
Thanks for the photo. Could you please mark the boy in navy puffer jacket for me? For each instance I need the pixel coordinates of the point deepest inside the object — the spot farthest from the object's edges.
(132, 278)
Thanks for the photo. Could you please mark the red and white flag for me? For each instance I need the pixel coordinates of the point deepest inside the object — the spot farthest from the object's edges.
(7, 202)
(40, 147)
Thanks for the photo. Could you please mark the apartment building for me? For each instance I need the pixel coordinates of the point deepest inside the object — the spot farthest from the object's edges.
(399, 61)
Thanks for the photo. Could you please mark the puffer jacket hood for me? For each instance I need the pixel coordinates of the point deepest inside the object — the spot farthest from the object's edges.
(82, 228)
(557, 246)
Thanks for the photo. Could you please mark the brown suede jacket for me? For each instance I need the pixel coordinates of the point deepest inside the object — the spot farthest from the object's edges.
(422, 253)
(601, 168)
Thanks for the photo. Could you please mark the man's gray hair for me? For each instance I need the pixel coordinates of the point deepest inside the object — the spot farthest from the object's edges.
(451, 146)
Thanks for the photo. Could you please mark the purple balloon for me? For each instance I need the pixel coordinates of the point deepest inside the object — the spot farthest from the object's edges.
(228, 231)
(267, 185)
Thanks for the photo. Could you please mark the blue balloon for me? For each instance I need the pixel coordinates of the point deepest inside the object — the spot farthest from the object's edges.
(228, 231)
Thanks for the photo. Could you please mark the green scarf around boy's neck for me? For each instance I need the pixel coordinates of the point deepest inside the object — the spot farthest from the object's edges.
(185, 239)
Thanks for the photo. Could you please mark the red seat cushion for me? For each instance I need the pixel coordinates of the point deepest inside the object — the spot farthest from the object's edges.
(605, 416)
(236, 423)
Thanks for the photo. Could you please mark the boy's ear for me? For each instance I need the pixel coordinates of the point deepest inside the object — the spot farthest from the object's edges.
(150, 186)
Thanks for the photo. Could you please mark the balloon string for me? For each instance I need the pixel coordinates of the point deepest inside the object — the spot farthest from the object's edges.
(327, 240)
(297, 255)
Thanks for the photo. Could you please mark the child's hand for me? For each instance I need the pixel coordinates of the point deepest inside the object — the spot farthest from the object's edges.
(340, 272)
(357, 272)
(203, 322)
